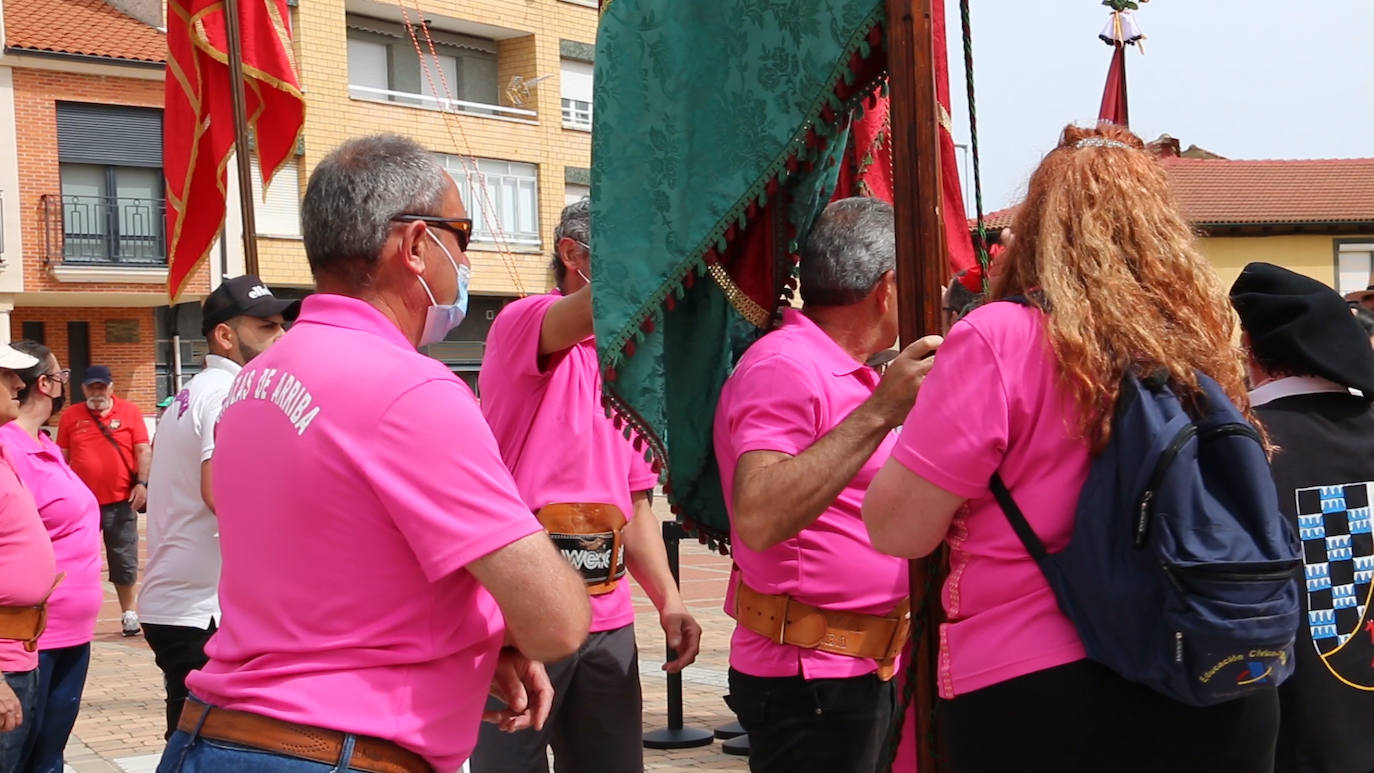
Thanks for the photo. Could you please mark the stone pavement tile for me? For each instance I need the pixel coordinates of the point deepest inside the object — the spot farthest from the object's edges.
(146, 763)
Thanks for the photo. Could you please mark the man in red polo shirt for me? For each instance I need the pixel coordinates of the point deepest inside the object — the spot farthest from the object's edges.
(106, 443)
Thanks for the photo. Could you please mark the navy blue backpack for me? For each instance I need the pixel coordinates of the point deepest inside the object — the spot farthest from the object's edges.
(1181, 573)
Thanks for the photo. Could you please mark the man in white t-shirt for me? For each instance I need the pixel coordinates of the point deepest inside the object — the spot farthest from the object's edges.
(179, 600)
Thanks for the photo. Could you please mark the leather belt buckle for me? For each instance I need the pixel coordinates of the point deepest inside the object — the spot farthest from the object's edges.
(782, 621)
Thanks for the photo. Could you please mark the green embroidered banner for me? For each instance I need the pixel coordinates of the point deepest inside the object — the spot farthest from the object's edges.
(720, 129)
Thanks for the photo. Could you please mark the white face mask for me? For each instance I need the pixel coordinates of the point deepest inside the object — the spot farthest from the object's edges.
(440, 318)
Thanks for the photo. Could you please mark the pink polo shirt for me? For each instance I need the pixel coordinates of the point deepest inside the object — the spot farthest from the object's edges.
(554, 434)
(72, 517)
(790, 388)
(27, 564)
(993, 403)
(355, 482)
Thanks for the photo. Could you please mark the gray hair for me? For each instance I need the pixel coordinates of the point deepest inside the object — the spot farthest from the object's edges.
(352, 196)
(851, 245)
(575, 223)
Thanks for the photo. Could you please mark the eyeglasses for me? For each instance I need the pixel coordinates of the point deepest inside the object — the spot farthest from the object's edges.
(60, 376)
(460, 227)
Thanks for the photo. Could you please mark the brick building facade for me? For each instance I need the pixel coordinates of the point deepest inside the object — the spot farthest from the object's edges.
(503, 98)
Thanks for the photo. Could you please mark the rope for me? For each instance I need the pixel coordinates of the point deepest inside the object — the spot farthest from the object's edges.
(980, 244)
(476, 180)
(908, 693)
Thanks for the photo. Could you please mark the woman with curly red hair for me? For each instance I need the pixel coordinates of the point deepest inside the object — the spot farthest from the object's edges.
(1114, 280)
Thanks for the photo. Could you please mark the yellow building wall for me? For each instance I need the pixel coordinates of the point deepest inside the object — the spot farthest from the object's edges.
(282, 262)
(332, 117)
(1310, 255)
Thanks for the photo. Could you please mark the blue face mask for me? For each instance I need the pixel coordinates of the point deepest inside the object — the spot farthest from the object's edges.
(440, 318)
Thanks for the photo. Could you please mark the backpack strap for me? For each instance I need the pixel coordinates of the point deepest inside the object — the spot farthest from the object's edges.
(1018, 521)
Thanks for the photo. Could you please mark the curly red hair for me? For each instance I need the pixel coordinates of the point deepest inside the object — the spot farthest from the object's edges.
(1101, 239)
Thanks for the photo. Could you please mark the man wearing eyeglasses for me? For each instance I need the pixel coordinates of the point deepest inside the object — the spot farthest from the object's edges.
(375, 552)
(541, 394)
(179, 601)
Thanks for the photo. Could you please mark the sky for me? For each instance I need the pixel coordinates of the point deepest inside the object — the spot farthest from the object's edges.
(1241, 78)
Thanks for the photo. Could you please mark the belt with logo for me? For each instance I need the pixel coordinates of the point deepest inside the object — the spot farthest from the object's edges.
(588, 535)
(784, 620)
(26, 624)
(300, 741)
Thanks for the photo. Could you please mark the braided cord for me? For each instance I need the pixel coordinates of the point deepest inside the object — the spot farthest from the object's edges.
(981, 243)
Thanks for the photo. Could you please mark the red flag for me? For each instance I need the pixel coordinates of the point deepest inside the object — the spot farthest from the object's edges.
(198, 131)
(958, 243)
(1114, 95)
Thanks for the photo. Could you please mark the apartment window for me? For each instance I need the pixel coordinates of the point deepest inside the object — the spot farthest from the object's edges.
(498, 194)
(111, 205)
(279, 214)
(1354, 267)
(576, 83)
(573, 193)
(383, 64)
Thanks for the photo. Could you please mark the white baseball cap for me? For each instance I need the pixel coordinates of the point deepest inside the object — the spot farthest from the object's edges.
(13, 359)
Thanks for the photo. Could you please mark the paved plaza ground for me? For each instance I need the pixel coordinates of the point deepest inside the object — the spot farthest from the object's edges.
(121, 722)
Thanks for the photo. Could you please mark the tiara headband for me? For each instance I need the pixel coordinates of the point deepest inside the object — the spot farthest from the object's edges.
(1100, 142)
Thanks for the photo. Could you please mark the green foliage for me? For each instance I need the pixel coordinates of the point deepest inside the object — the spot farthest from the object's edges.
(1122, 5)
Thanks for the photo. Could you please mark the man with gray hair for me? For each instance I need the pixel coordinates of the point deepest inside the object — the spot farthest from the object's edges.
(376, 554)
(802, 426)
(541, 394)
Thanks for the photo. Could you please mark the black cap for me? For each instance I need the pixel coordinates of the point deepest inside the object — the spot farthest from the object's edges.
(97, 374)
(243, 296)
(1299, 324)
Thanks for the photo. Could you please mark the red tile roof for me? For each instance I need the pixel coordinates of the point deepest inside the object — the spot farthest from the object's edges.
(85, 27)
(1222, 192)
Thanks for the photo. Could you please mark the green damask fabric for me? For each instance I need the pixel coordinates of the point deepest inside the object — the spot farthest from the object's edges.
(699, 104)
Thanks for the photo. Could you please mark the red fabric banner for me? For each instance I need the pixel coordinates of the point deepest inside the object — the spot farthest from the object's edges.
(1114, 95)
(198, 130)
(958, 243)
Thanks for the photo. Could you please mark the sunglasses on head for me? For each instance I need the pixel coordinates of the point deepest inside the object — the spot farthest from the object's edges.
(460, 227)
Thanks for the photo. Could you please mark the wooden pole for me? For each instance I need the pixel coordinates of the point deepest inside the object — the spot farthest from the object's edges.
(921, 259)
(241, 151)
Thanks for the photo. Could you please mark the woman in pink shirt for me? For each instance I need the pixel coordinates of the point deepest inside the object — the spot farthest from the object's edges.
(27, 571)
(71, 515)
(1115, 281)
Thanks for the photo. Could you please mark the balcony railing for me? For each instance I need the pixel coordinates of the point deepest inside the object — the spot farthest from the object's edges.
(427, 102)
(100, 230)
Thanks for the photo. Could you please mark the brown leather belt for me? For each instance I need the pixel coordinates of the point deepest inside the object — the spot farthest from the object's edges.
(784, 620)
(301, 741)
(24, 624)
(588, 535)
(27, 624)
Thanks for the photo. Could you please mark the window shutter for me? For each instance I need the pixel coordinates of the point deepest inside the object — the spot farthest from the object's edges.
(109, 134)
(280, 213)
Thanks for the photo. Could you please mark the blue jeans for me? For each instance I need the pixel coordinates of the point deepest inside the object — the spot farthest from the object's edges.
(61, 680)
(25, 687)
(187, 753)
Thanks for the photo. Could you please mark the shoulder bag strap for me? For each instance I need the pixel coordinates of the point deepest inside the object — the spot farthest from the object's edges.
(1017, 519)
(119, 450)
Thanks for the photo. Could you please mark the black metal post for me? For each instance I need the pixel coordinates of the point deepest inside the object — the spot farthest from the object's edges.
(675, 736)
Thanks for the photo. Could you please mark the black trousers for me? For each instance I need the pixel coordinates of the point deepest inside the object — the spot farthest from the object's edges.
(594, 724)
(796, 724)
(1083, 717)
(178, 650)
